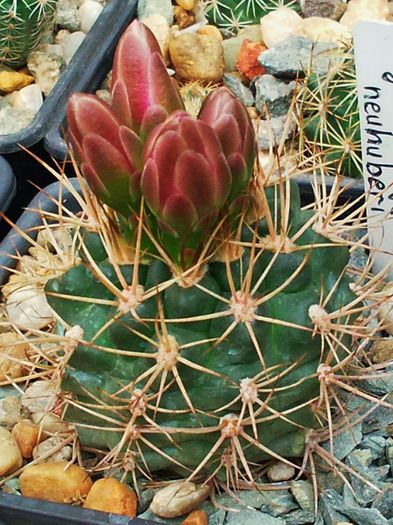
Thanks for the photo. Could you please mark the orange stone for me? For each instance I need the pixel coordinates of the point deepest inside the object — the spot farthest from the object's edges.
(247, 59)
(197, 517)
(109, 495)
(26, 434)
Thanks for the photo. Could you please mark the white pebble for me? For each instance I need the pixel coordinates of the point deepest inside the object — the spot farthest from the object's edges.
(29, 97)
(280, 24)
(39, 397)
(89, 11)
(365, 10)
(70, 44)
(27, 307)
(280, 471)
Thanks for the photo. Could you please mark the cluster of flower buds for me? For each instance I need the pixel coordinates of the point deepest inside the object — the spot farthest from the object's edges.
(144, 144)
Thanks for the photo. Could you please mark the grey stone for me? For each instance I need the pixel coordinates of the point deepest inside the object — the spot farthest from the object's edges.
(208, 507)
(270, 132)
(156, 7)
(292, 57)
(325, 8)
(278, 503)
(218, 518)
(362, 457)
(365, 516)
(227, 501)
(378, 419)
(148, 515)
(319, 519)
(241, 92)
(358, 461)
(13, 119)
(379, 386)
(303, 493)
(67, 15)
(252, 517)
(379, 473)
(329, 502)
(384, 502)
(389, 457)
(345, 442)
(349, 497)
(273, 95)
(376, 445)
(252, 498)
(298, 517)
(144, 500)
(329, 480)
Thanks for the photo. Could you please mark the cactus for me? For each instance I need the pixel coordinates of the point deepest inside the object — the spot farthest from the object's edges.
(234, 15)
(196, 353)
(193, 94)
(22, 26)
(330, 122)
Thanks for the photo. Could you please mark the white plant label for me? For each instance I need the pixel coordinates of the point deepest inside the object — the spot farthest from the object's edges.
(374, 69)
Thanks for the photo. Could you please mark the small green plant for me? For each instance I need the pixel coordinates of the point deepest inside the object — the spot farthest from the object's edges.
(234, 15)
(22, 26)
(330, 122)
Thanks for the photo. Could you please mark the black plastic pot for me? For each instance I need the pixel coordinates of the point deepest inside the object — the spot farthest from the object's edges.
(352, 189)
(90, 82)
(96, 48)
(7, 185)
(29, 221)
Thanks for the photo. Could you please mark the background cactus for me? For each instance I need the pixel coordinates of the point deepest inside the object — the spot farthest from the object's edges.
(234, 15)
(22, 26)
(330, 122)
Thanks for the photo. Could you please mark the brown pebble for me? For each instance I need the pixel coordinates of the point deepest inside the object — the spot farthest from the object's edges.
(109, 495)
(26, 434)
(57, 481)
(197, 517)
(210, 30)
(183, 18)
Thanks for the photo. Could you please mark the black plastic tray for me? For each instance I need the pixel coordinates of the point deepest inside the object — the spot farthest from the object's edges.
(89, 82)
(96, 47)
(17, 510)
(7, 185)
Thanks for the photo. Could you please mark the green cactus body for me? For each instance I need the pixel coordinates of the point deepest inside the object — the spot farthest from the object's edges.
(22, 26)
(235, 14)
(331, 121)
(172, 380)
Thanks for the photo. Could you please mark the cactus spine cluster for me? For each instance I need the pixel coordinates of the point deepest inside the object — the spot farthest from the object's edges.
(330, 121)
(209, 315)
(22, 26)
(234, 15)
